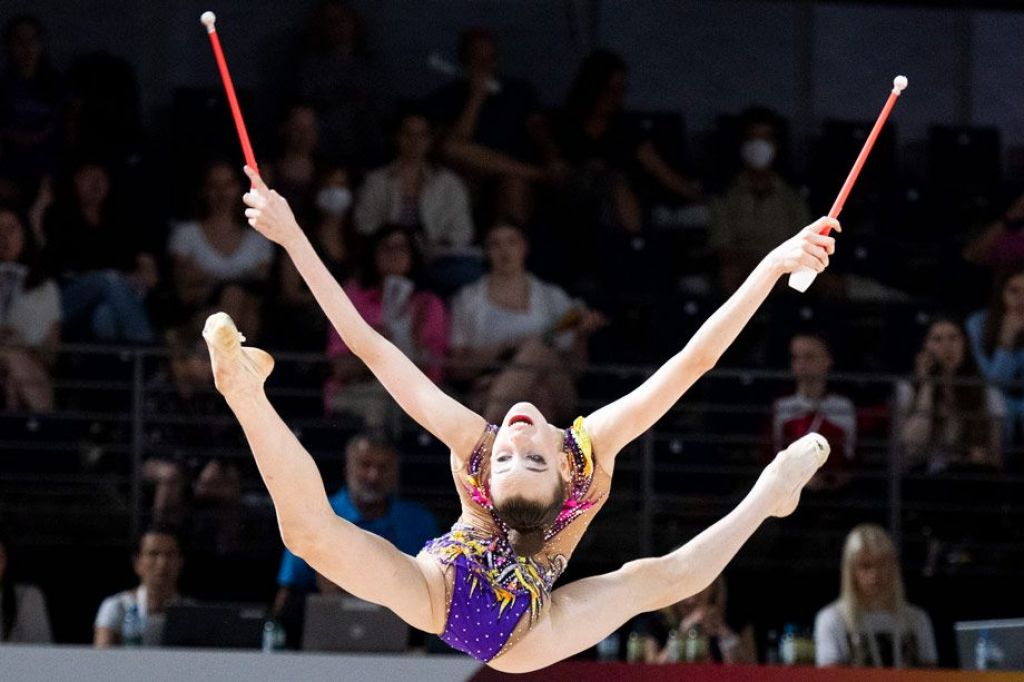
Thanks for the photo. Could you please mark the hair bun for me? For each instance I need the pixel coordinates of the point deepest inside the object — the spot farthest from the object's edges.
(526, 543)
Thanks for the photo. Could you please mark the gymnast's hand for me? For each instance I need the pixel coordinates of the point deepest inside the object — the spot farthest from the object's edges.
(807, 249)
(269, 212)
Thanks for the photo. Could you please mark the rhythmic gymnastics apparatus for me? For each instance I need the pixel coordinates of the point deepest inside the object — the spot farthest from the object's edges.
(528, 489)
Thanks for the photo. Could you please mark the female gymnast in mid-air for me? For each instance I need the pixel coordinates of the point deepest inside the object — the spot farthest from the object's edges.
(528, 489)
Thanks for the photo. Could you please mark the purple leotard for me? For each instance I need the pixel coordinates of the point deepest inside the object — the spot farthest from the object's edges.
(492, 587)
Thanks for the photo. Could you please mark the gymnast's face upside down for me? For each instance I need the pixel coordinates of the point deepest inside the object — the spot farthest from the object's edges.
(527, 462)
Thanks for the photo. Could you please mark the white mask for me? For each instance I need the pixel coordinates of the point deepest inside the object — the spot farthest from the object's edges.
(758, 154)
(334, 200)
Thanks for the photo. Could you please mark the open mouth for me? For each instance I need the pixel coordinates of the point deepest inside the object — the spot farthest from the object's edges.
(520, 419)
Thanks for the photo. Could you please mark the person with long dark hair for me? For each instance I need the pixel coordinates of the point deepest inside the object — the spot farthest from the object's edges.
(528, 490)
(23, 616)
(948, 419)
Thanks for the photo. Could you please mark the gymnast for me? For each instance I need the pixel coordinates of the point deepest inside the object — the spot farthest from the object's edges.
(528, 489)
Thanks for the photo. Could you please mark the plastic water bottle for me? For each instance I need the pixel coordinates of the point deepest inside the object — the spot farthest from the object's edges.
(787, 647)
(634, 648)
(608, 648)
(696, 646)
(131, 628)
(772, 648)
(672, 646)
(981, 651)
(273, 637)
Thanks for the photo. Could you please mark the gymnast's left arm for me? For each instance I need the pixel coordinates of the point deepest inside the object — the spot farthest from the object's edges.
(612, 427)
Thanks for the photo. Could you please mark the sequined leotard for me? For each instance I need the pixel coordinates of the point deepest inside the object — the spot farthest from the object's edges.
(494, 596)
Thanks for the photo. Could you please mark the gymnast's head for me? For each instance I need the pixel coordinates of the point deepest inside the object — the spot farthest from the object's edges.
(529, 476)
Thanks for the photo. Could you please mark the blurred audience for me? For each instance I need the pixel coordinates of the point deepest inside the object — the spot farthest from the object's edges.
(23, 615)
(813, 408)
(997, 343)
(947, 418)
(387, 294)
(701, 631)
(429, 200)
(760, 209)
(370, 501)
(219, 261)
(872, 624)
(1001, 244)
(294, 172)
(492, 128)
(30, 317)
(135, 617)
(336, 76)
(515, 337)
(106, 268)
(31, 100)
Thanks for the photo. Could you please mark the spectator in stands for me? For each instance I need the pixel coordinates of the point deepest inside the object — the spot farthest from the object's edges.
(814, 409)
(370, 501)
(297, 322)
(157, 562)
(493, 129)
(218, 261)
(23, 615)
(294, 171)
(337, 77)
(387, 294)
(531, 329)
(759, 208)
(997, 342)
(945, 423)
(106, 268)
(605, 151)
(31, 95)
(412, 191)
(872, 624)
(1001, 244)
(700, 617)
(29, 319)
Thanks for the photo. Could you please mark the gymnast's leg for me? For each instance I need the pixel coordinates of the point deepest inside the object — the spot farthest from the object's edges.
(364, 564)
(586, 611)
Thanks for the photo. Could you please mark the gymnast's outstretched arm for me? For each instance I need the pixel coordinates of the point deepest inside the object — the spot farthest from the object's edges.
(449, 421)
(616, 424)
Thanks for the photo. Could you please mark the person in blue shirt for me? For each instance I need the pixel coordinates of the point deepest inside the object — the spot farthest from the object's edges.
(369, 501)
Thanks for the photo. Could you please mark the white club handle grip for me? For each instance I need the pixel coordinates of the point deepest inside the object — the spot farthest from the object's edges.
(801, 279)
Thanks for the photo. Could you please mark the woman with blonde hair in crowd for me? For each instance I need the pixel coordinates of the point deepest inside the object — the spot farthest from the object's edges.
(872, 624)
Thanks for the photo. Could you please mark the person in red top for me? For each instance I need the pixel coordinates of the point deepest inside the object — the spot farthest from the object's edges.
(812, 408)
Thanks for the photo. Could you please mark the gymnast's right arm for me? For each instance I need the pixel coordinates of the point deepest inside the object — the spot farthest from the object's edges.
(448, 420)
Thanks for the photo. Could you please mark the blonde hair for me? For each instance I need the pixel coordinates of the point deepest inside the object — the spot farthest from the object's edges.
(874, 539)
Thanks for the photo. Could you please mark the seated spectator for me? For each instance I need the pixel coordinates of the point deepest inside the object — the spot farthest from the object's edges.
(700, 617)
(605, 151)
(298, 322)
(106, 270)
(413, 192)
(337, 77)
(294, 171)
(29, 319)
(997, 343)
(947, 419)
(492, 127)
(872, 624)
(1001, 244)
(387, 295)
(814, 409)
(533, 330)
(219, 262)
(23, 615)
(370, 501)
(760, 208)
(136, 617)
(31, 95)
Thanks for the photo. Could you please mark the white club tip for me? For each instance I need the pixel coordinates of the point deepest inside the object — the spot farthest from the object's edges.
(208, 19)
(899, 84)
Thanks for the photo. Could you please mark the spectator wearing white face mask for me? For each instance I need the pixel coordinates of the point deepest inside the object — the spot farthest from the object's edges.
(759, 208)
(417, 194)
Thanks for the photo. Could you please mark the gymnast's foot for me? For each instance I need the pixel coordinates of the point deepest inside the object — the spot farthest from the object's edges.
(792, 469)
(236, 369)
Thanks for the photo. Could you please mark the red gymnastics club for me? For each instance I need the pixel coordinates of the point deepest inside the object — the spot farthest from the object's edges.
(801, 279)
(209, 19)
